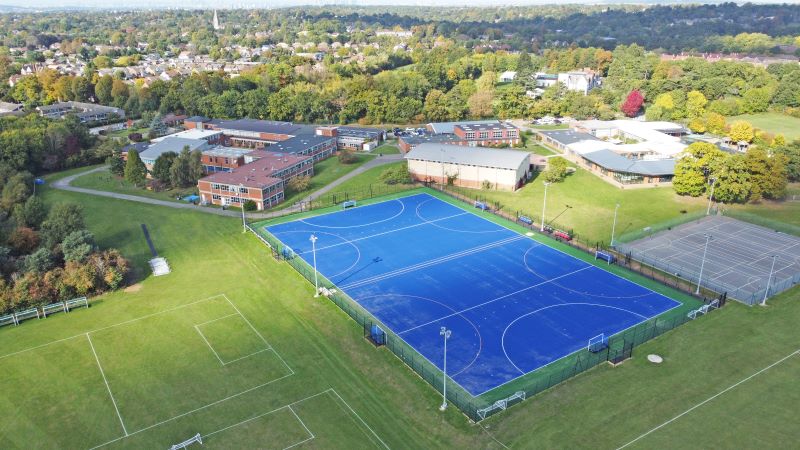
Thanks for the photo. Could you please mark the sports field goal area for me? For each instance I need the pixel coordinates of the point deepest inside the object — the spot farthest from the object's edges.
(514, 305)
(135, 377)
(725, 255)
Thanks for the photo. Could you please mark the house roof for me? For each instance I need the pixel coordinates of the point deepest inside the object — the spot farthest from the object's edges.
(432, 138)
(447, 127)
(485, 126)
(197, 119)
(618, 163)
(470, 156)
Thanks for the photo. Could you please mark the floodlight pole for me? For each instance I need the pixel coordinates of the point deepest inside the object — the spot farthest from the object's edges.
(702, 264)
(241, 205)
(614, 225)
(710, 197)
(446, 334)
(313, 240)
(769, 281)
(544, 205)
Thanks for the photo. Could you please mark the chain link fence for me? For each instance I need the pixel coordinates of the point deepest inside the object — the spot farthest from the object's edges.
(620, 346)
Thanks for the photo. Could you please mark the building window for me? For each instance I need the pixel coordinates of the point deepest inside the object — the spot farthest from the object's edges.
(471, 135)
(243, 190)
(483, 134)
(498, 134)
(215, 186)
(216, 197)
(224, 187)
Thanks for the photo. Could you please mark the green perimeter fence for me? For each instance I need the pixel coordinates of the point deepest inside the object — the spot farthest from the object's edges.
(619, 348)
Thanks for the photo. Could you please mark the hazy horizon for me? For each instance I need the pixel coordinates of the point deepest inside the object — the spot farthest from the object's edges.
(231, 4)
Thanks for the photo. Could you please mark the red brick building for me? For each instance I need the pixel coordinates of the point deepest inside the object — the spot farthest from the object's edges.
(262, 180)
(488, 134)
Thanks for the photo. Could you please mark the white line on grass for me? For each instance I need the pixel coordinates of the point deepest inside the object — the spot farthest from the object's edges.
(99, 366)
(259, 334)
(246, 391)
(304, 426)
(246, 356)
(733, 386)
(359, 418)
(110, 326)
(209, 345)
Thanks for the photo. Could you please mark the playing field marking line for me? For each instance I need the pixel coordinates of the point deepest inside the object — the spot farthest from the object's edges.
(291, 371)
(359, 418)
(383, 233)
(497, 299)
(399, 200)
(733, 386)
(110, 326)
(557, 305)
(209, 345)
(329, 391)
(216, 402)
(304, 426)
(110, 394)
(435, 261)
(216, 320)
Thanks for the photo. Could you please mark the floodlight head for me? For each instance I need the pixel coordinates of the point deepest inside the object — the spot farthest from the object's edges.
(313, 239)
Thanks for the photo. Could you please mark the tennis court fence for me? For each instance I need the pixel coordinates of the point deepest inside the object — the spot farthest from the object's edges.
(630, 260)
(620, 347)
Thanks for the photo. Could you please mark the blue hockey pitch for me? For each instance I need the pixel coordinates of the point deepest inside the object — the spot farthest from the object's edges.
(513, 304)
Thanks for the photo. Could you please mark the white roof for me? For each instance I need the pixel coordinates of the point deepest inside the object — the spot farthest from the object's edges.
(470, 156)
(192, 133)
(508, 74)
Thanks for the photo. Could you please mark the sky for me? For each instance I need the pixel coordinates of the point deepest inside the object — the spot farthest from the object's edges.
(146, 4)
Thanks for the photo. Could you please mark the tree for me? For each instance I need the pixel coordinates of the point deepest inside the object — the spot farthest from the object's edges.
(78, 245)
(741, 131)
(63, 219)
(480, 104)
(250, 205)
(32, 213)
(732, 180)
(161, 168)
(16, 190)
(697, 125)
(556, 170)
(757, 99)
(792, 154)
(157, 126)
(632, 104)
(180, 171)
(693, 167)
(347, 156)
(715, 123)
(767, 173)
(39, 261)
(102, 90)
(395, 175)
(298, 184)
(695, 104)
(135, 170)
(116, 164)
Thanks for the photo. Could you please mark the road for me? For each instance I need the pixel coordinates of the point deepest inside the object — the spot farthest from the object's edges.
(65, 184)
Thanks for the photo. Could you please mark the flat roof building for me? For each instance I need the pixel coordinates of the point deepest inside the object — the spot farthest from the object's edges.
(473, 167)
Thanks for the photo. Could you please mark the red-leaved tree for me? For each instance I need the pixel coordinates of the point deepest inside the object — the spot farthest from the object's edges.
(633, 103)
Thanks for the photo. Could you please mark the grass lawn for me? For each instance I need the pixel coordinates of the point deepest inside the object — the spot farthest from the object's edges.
(387, 149)
(364, 180)
(325, 172)
(269, 364)
(585, 204)
(106, 181)
(772, 122)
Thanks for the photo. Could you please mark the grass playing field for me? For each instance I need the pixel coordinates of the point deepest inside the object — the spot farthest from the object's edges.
(775, 123)
(342, 390)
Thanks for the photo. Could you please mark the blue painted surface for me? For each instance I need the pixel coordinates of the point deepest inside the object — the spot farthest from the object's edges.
(514, 305)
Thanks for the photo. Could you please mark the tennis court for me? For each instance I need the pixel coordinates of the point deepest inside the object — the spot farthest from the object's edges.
(738, 261)
(513, 304)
